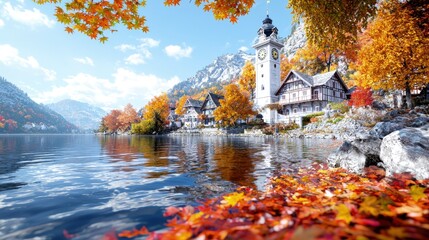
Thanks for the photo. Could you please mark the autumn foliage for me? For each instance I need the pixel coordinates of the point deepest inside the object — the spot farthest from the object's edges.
(396, 55)
(120, 120)
(247, 79)
(333, 23)
(236, 105)
(315, 203)
(180, 110)
(361, 97)
(155, 116)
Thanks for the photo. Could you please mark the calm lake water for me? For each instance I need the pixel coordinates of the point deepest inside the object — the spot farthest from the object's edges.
(89, 185)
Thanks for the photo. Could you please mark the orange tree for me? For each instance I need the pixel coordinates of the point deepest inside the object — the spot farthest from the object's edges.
(127, 117)
(336, 22)
(111, 121)
(361, 97)
(397, 55)
(236, 105)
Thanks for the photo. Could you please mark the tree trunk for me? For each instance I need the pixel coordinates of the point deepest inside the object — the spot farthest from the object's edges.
(408, 95)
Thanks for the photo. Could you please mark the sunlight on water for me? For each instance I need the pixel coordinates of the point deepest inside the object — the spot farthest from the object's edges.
(89, 185)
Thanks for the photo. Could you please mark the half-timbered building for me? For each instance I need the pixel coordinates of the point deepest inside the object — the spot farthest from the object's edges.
(300, 94)
(193, 109)
(207, 108)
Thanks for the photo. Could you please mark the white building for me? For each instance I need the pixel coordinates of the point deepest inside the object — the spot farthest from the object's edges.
(298, 94)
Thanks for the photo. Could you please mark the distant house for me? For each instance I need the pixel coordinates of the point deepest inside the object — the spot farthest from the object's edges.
(207, 108)
(193, 109)
(173, 117)
(300, 94)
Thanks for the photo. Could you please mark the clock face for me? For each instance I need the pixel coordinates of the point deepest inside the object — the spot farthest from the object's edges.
(262, 53)
(275, 53)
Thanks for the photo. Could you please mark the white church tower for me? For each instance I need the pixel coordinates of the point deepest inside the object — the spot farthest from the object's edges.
(267, 66)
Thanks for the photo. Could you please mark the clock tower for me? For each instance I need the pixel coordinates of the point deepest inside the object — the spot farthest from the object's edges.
(267, 67)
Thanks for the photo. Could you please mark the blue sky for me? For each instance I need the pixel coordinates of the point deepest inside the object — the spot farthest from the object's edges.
(38, 56)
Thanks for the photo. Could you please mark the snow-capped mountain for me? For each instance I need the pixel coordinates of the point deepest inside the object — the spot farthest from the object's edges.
(220, 72)
(296, 40)
(18, 113)
(83, 115)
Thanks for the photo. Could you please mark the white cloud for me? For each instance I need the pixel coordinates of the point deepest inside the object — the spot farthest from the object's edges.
(135, 59)
(125, 47)
(177, 51)
(148, 42)
(9, 56)
(85, 61)
(27, 17)
(141, 51)
(1, 23)
(125, 87)
(243, 48)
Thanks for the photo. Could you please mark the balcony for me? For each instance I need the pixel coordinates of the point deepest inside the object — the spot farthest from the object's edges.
(300, 99)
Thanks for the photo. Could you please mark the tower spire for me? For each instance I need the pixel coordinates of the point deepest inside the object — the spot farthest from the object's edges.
(268, 8)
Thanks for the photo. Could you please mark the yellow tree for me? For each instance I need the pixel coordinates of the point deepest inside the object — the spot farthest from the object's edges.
(180, 110)
(128, 116)
(157, 111)
(247, 79)
(333, 23)
(285, 66)
(312, 59)
(235, 105)
(397, 55)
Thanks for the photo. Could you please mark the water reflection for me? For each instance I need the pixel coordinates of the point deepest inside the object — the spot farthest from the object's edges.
(89, 184)
(241, 161)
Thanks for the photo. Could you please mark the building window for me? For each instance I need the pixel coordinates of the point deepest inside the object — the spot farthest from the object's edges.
(304, 109)
(262, 87)
(275, 65)
(316, 108)
(295, 110)
(262, 65)
(262, 75)
(283, 96)
(294, 95)
(287, 112)
(304, 93)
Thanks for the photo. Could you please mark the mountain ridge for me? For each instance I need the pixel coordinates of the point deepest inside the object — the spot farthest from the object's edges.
(83, 115)
(19, 113)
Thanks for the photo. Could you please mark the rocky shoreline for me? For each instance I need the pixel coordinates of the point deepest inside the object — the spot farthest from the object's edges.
(399, 143)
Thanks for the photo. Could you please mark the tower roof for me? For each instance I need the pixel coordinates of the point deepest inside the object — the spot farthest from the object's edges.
(267, 27)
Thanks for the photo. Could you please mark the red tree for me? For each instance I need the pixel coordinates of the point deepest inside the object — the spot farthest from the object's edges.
(361, 97)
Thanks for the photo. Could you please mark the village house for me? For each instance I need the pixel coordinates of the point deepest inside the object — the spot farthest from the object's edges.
(300, 94)
(207, 108)
(193, 109)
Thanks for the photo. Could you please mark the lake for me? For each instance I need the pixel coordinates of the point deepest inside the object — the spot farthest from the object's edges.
(89, 185)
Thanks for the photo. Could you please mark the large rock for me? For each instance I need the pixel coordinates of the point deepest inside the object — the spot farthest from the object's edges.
(407, 150)
(382, 129)
(360, 151)
(349, 157)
